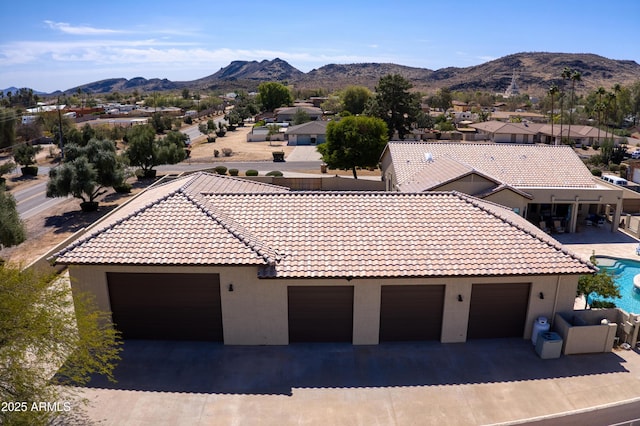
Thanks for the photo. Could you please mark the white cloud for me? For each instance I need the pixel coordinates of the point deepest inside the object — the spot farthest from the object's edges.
(79, 30)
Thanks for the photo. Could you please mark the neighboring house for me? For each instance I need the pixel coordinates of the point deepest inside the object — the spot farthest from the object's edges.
(542, 183)
(209, 257)
(497, 131)
(309, 133)
(288, 113)
(527, 132)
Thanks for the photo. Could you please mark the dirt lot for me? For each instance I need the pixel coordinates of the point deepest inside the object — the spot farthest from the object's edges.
(242, 150)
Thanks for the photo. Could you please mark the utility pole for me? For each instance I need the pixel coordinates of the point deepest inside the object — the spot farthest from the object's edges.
(60, 130)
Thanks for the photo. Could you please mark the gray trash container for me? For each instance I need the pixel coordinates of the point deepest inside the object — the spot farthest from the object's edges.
(549, 345)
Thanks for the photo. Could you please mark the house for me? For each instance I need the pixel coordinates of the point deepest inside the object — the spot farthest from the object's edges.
(528, 132)
(498, 131)
(309, 133)
(542, 183)
(288, 113)
(217, 258)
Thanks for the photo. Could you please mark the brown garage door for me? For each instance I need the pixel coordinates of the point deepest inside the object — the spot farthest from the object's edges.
(411, 312)
(498, 310)
(166, 306)
(320, 314)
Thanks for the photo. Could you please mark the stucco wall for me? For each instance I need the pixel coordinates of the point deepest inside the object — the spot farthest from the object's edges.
(256, 311)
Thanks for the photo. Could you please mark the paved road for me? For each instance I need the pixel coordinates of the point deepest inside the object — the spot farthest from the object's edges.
(33, 200)
(619, 415)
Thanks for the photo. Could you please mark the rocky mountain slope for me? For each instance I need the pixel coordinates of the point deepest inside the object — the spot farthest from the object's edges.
(534, 71)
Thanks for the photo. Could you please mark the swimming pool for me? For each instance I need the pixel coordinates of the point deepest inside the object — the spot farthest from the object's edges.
(624, 271)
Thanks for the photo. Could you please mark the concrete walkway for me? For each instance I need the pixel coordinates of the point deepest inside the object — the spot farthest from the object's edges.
(304, 153)
(480, 382)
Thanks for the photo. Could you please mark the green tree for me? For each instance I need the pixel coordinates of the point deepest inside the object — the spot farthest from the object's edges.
(161, 122)
(301, 116)
(394, 104)
(441, 100)
(354, 141)
(355, 98)
(87, 172)
(145, 152)
(599, 108)
(7, 127)
(601, 284)
(49, 337)
(273, 95)
(25, 155)
(12, 231)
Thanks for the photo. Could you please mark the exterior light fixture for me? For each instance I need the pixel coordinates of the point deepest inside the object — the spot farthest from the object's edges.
(230, 287)
(459, 298)
(541, 295)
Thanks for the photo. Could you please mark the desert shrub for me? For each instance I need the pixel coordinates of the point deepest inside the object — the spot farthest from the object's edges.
(216, 153)
(596, 145)
(276, 173)
(614, 167)
(596, 172)
(227, 152)
(585, 147)
(233, 172)
(251, 172)
(221, 170)
(595, 159)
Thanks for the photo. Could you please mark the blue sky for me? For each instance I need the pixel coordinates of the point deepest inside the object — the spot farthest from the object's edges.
(61, 44)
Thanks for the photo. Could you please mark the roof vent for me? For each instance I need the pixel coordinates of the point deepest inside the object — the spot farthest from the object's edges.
(428, 157)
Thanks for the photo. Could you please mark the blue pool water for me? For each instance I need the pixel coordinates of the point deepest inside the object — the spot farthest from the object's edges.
(624, 271)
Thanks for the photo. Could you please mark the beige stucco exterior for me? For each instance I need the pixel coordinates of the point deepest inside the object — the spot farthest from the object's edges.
(256, 311)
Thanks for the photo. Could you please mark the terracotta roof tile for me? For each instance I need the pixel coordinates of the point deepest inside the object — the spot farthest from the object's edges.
(520, 166)
(328, 234)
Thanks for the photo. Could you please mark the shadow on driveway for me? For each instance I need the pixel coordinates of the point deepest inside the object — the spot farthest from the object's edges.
(212, 368)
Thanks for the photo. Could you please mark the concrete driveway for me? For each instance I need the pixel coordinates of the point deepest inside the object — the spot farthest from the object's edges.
(480, 382)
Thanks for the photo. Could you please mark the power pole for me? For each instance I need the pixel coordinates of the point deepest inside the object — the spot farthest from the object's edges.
(60, 130)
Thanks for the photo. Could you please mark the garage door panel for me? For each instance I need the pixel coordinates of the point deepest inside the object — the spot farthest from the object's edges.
(320, 313)
(166, 306)
(411, 312)
(498, 310)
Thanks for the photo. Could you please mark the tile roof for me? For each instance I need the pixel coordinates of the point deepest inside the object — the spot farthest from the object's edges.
(520, 166)
(509, 128)
(329, 234)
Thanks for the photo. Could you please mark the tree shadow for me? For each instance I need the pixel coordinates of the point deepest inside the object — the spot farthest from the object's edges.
(75, 220)
(213, 368)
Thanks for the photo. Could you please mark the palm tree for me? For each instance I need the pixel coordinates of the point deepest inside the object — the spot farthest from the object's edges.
(552, 92)
(599, 108)
(566, 75)
(575, 76)
(610, 108)
(616, 90)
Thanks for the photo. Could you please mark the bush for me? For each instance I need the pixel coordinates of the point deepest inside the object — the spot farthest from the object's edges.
(585, 147)
(123, 188)
(603, 304)
(227, 152)
(188, 120)
(596, 172)
(221, 170)
(276, 173)
(216, 153)
(614, 167)
(211, 139)
(251, 172)
(233, 172)
(596, 145)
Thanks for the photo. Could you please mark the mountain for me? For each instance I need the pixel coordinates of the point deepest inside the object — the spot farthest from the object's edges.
(15, 90)
(535, 72)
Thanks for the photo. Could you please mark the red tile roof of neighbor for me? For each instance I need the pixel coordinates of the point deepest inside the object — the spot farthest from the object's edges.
(323, 234)
(520, 166)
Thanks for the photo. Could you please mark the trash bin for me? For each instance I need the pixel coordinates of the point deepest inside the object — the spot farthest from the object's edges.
(541, 325)
(549, 345)
(323, 168)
